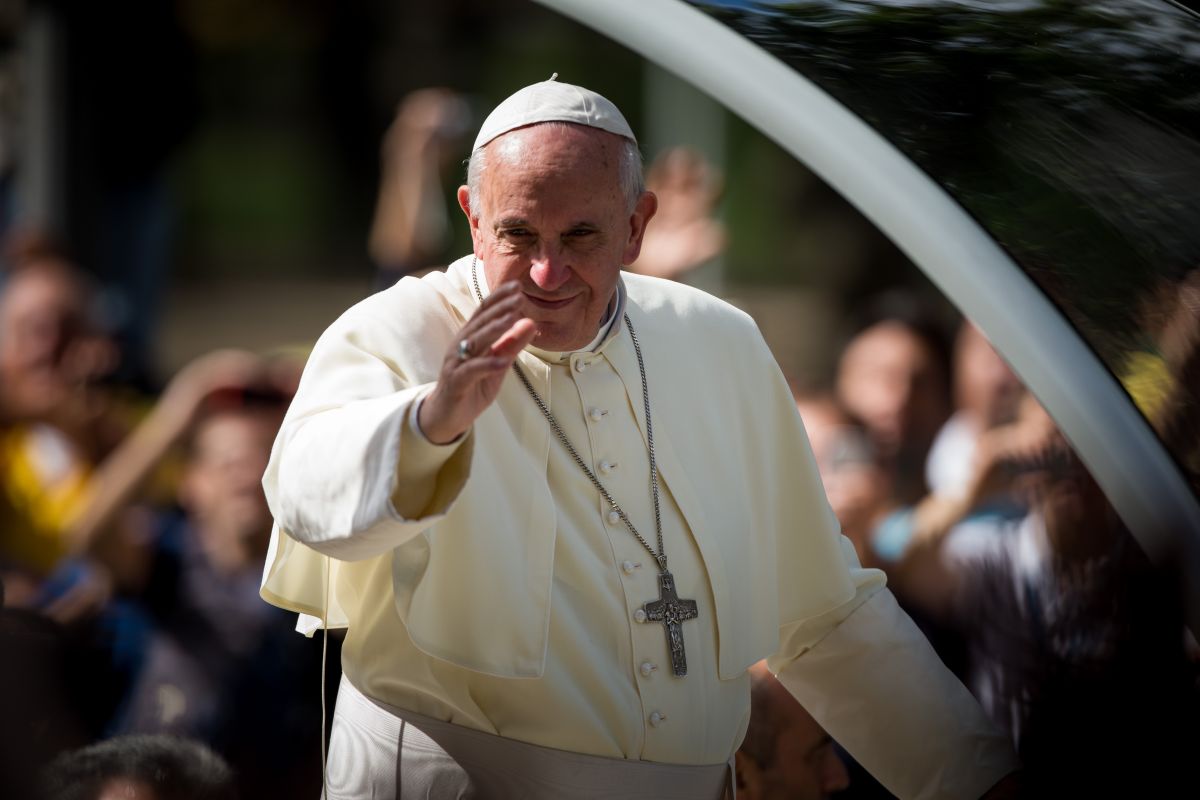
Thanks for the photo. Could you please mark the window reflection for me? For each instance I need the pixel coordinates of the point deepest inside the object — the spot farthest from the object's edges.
(1071, 131)
(1018, 570)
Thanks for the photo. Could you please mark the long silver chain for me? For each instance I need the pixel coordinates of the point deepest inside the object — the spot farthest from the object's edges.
(661, 555)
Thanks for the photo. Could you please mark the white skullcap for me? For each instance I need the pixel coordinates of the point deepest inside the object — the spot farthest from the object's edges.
(552, 101)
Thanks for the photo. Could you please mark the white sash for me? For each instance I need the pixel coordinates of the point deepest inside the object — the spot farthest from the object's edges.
(379, 752)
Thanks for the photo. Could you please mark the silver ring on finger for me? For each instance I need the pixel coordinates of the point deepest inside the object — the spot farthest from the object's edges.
(464, 349)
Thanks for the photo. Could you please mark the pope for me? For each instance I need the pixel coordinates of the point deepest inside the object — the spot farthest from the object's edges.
(561, 509)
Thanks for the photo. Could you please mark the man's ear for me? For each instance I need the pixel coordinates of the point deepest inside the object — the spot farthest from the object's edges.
(464, 202)
(643, 212)
(748, 776)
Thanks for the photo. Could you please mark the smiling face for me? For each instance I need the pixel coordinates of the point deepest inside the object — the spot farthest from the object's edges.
(554, 218)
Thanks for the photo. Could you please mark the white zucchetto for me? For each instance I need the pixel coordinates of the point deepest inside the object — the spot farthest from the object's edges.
(553, 101)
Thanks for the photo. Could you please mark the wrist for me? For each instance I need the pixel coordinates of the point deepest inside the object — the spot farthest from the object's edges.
(428, 427)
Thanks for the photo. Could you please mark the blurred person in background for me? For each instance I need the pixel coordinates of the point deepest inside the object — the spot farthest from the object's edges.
(140, 768)
(986, 393)
(893, 375)
(685, 233)
(786, 754)
(202, 584)
(411, 232)
(60, 418)
(214, 661)
(1075, 642)
(856, 484)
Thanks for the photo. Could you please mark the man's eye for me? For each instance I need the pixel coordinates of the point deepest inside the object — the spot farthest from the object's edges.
(577, 232)
(515, 233)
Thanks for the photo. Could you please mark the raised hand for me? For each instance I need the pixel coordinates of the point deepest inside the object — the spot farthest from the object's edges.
(685, 233)
(472, 374)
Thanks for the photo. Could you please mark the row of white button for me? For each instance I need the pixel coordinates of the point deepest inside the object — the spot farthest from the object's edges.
(647, 668)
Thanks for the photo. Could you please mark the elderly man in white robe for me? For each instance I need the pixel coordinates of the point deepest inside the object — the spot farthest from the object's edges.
(561, 509)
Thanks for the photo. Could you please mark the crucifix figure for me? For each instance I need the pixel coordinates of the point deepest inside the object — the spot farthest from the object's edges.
(671, 612)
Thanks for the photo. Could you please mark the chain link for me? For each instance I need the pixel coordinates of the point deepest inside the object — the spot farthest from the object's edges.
(661, 555)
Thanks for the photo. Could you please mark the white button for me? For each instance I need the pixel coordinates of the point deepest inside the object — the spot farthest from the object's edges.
(580, 365)
(639, 615)
(597, 414)
(629, 566)
(657, 718)
(613, 518)
(648, 669)
(607, 467)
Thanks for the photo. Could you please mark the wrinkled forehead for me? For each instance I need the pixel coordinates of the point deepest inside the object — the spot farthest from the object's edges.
(548, 155)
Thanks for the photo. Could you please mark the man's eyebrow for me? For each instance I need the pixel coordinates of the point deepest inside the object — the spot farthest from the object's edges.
(521, 222)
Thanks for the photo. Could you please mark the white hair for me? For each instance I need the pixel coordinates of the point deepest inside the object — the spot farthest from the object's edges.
(630, 170)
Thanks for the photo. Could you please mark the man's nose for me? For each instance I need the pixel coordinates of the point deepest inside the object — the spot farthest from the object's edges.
(549, 270)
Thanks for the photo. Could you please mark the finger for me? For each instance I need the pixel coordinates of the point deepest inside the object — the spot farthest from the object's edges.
(476, 329)
(500, 293)
(492, 310)
(513, 340)
(460, 383)
(483, 339)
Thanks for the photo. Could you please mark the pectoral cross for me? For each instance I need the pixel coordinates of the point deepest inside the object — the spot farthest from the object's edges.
(671, 612)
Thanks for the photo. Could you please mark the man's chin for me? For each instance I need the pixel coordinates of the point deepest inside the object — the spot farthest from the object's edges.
(557, 338)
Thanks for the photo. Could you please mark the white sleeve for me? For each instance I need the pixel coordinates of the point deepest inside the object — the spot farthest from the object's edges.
(350, 474)
(868, 675)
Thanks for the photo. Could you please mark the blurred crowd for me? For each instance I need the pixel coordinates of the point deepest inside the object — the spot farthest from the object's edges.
(133, 532)
(950, 476)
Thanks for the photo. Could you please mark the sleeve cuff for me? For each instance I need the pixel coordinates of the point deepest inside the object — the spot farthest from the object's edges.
(428, 476)
(877, 687)
(414, 425)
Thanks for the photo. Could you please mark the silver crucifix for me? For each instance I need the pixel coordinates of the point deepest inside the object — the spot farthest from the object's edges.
(671, 612)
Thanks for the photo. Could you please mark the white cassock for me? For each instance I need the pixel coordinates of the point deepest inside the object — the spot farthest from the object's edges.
(485, 583)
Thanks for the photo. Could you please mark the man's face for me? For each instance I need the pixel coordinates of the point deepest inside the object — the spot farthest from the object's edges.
(804, 766)
(984, 385)
(41, 314)
(553, 218)
(223, 488)
(890, 380)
